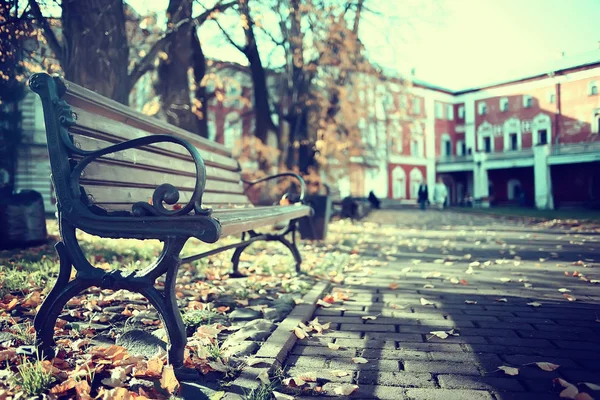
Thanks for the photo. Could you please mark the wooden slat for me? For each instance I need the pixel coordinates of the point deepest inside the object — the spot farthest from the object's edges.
(99, 194)
(117, 175)
(244, 220)
(95, 126)
(78, 96)
(150, 160)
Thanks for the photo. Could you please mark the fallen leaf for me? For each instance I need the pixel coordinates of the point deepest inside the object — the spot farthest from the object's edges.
(323, 304)
(300, 333)
(428, 286)
(527, 285)
(333, 346)
(393, 285)
(359, 360)
(344, 389)
(329, 299)
(570, 392)
(509, 370)
(369, 317)
(168, 381)
(546, 366)
(426, 302)
(503, 300)
(504, 280)
(534, 304)
(440, 334)
(454, 280)
(469, 270)
(407, 269)
(217, 395)
(264, 377)
(293, 381)
(583, 396)
(569, 297)
(563, 290)
(470, 302)
(591, 386)
(64, 387)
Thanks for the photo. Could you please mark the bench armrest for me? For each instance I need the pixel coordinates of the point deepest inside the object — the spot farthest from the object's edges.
(291, 174)
(164, 193)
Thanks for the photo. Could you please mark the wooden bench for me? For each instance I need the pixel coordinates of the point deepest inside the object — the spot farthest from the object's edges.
(118, 173)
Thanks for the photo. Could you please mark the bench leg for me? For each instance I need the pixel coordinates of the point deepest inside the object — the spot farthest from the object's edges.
(61, 293)
(294, 249)
(235, 259)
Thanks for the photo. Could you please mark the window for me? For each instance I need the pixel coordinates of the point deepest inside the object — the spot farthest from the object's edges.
(416, 105)
(439, 111)
(596, 122)
(552, 98)
(593, 88)
(527, 101)
(461, 148)
(450, 112)
(414, 148)
(487, 144)
(448, 149)
(482, 108)
(514, 144)
(504, 104)
(461, 112)
(542, 136)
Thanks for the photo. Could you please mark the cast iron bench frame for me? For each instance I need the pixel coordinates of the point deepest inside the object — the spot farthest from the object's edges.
(147, 220)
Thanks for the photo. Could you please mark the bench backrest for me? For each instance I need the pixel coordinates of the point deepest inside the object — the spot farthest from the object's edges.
(117, 181)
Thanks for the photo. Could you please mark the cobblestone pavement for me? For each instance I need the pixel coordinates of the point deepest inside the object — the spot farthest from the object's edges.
(475, 275)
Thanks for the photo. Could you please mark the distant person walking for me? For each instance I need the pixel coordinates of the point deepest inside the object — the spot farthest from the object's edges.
(423, 195)
(375, 202)
(440, 193)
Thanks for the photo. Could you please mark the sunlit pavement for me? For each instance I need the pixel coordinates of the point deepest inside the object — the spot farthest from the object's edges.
(506, 293)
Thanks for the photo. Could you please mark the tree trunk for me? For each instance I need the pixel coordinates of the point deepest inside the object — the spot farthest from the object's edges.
(199, 63)
(96, 52)
(262, 109)
(173, 86)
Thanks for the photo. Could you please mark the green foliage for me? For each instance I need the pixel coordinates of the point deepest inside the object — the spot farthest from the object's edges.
(195, 318)
(33, 378)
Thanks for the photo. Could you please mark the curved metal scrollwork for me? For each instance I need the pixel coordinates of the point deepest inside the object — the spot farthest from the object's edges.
(291, 174)
(165, 193)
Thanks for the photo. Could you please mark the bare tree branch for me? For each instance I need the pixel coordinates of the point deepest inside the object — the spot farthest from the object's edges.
(48, 32)
(230, 39)
(147, 62)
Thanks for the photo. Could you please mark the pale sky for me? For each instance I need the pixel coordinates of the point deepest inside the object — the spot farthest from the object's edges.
(458, 44)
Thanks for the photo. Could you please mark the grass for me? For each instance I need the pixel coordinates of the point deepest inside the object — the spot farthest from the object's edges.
(195, 318)
(33, 377)
(583, 215)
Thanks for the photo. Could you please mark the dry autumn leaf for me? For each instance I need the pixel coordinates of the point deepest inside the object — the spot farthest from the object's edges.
(300, 333)
(323, 303)
(333, 346)
(569, 297)
(509, 370)
(393, 285)
(534, 304)
(470, 302)
(440, 334)
(293, 382)
(563, 290)
(282, 396)
(344, 389)
(502, 300)
(428, 286)
(339, 373)
(369, 317)
(546, 366)
(168, 381)
(264, 377)
(426, 302)
(359, 360)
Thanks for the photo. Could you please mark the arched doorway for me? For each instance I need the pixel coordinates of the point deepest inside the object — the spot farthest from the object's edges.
(416, 177)
(398, 183)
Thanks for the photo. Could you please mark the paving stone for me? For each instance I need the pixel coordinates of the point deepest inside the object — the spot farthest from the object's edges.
(374, 364)
(447, 394)
(366, 343)
(430, 346)
(441, 367)
(320, 351)
(404, 379)
(371, 392)
(367, 328)
(479, 383)
(322, 375)
(521, 342)
(395, 354)
(523, 359)
(306, 361)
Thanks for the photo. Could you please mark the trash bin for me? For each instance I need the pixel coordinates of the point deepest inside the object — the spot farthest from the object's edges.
(22, 220)
(315, 227)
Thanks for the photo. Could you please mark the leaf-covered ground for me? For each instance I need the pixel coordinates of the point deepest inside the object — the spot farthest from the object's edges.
(226, 318)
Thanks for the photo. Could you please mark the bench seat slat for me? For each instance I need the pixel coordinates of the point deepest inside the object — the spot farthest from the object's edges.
(234, 222)
(123, 197)
(117, 175)
(77, 96)
(153, 161)
(88, 125)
